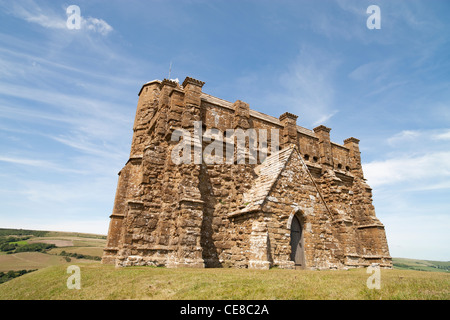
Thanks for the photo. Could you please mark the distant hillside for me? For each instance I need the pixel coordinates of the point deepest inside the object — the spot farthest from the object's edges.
(21, 232)
(421, 265)
(22, 249)
(41, 233)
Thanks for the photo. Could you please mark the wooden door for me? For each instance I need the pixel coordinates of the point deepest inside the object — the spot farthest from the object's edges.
(297, 252)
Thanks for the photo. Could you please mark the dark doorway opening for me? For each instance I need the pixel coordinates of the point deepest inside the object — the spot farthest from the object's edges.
(297, 250)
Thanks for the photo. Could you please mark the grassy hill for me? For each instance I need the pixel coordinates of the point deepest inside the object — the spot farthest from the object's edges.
(107, 282)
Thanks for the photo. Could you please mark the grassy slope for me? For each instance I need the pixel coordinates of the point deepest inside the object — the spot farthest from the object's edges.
(106, 282)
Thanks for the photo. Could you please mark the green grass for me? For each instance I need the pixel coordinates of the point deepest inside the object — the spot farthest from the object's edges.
(20, 243)
(107, 282)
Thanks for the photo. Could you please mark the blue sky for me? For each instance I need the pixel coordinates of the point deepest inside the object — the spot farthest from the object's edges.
(68, 97)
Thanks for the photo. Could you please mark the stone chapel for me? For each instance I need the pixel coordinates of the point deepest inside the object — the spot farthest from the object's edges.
(302, 203)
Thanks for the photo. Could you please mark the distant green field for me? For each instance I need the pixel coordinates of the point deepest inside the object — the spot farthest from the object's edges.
(91, 251)
(21, 242)
(71, 242)
(75, 234)
(421, 265)
(34, 260)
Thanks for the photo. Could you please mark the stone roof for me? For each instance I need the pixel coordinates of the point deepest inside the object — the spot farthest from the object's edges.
(268, 173)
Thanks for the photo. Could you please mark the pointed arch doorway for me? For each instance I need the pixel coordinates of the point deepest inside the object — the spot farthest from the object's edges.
(297, 243)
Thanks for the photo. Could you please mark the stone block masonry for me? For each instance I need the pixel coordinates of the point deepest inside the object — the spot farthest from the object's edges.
(302, 203)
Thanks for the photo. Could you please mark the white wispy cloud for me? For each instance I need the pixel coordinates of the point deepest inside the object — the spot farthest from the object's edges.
(309, 85)
(27, 162)
(377, 71)
(46, 17)
(41, 164)
(426, 171)
(82, 144)
(304, 86)
(410, 178)
(416, 160)
(96, 25)
(404, 136)
(67, 101)
(324, 118)
(344, 20)
(443, 135)
(419, 137)
(30, 11)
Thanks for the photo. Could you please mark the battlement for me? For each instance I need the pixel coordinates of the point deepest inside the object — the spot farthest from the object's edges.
(217, 113)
